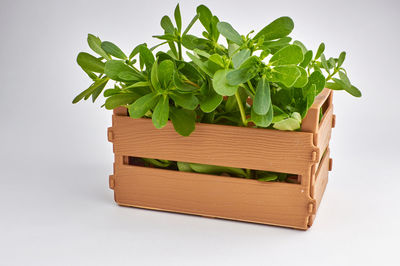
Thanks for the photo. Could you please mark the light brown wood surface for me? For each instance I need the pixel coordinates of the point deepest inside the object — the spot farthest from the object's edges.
(284, 204)
(289, 152)
(214, 196)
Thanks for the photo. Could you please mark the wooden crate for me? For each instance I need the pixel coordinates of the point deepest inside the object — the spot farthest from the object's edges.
(305, 154)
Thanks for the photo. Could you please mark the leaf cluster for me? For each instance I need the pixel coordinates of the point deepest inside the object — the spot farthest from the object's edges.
(266, 80)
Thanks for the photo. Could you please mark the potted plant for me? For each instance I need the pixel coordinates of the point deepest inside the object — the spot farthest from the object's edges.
(237, 130)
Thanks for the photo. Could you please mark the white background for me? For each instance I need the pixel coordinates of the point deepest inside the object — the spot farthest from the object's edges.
(55, 205)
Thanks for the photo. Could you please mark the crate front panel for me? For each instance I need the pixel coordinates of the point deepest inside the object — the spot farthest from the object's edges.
(214, 196)
(251, 148)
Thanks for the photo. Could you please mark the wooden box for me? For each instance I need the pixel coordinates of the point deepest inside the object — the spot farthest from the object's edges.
(304, 154)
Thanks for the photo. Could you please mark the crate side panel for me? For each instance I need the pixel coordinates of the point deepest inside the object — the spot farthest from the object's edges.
(324, 131)
(271, 150)
(321, 179)
(214, 196)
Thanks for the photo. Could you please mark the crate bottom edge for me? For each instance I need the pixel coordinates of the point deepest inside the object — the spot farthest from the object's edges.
(213, 216)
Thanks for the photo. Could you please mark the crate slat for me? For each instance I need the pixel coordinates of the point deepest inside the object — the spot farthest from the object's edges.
(213, 196)
(324, 132)
(252, 148)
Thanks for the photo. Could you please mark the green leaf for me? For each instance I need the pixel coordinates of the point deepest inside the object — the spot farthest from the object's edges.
(291, 123)
(146, 57)
(173, 52)
(183, 120)
(334, 86)
(91, 75)
(344, 85)
(302, 80)
(229, 32)
(262, 98)
(262, 120)
(221, 85)
(167, 25)
(324, 63)
(109, 92)
(101, 83)
(184, 167)
(142, 105)
(318, 79)
(113, 68)
(99, 89)
(186, 100)
(90, 63)
(307, 59)
(279, 114)
(331, 63)
(320, 50)
(246, 71)
(211, 101)
(95, 44)
(301, 45)
(161, 112)
(201, 53)
(182, 85)
(138, 85)
(345, 79)
(276, 45)
(215, 170)
(178, 18)
(157, 163)
(190, 25)
(135, 50)
(341, 59)
(217, 60)
(354, 91)
(119, 100)
(166, 71)
(279, 28)
(113, 50)
(232, 48)
(289, 55)
(287, 75)
(340, 83)
(267, 177)
(240, 57)
(205, 16)
(309, 92)
(128, 75)
(168, 37)
(200, 64)
(154, 77)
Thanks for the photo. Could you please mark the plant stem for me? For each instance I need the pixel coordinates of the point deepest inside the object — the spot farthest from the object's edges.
(251, 87)
(192, 83)
(331, 75)
(241, 108)
(180, 50)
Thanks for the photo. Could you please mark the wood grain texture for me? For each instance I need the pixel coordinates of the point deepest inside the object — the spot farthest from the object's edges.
(320, 179)
(273, 203)
(253, 148)
(323, 136)
(283, 204)
(310, 122)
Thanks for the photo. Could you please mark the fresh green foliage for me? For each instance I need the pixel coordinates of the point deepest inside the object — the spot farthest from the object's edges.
(266, 80)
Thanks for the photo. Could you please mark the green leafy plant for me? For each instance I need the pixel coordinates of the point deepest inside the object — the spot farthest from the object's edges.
(261, 80)
(280, 76)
